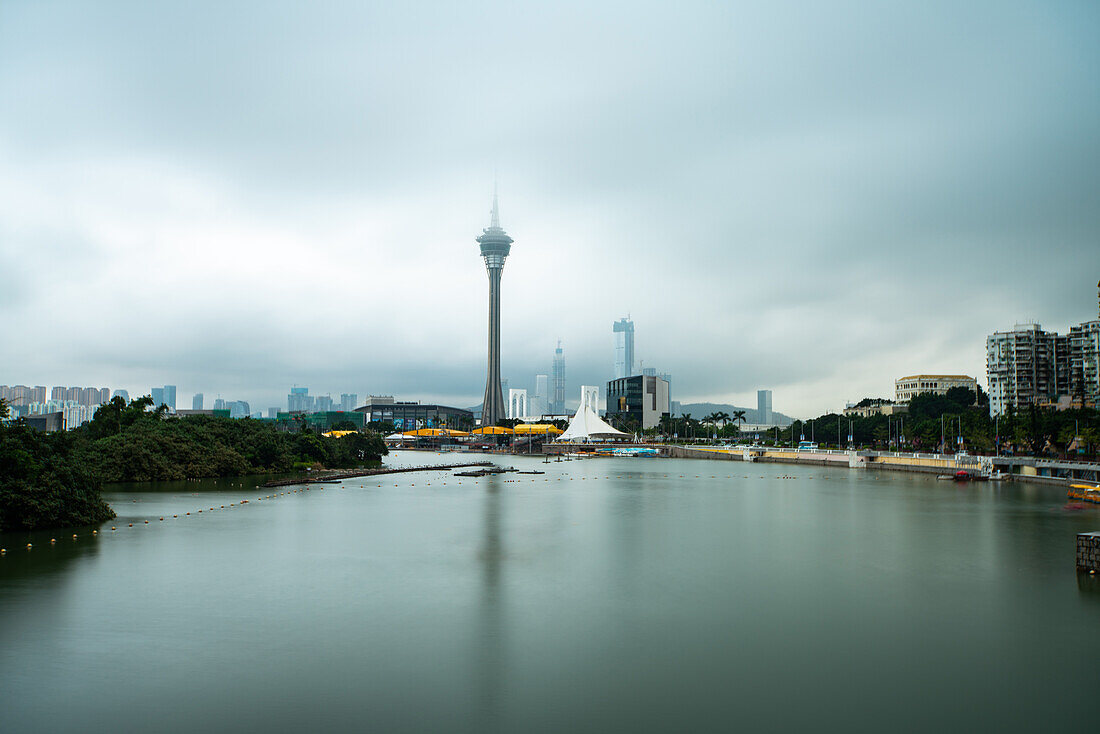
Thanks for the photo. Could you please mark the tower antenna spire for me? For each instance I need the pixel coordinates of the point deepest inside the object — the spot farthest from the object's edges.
(494, 220)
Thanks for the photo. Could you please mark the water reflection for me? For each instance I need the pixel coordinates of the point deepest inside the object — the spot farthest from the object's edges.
(490, 637)
(45, 561)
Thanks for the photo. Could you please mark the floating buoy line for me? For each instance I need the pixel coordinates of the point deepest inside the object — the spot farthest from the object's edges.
(276, 495)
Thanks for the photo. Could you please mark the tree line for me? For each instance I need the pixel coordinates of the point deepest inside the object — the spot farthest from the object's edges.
(55, 479)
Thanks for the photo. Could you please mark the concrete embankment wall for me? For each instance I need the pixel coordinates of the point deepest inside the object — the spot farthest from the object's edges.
(854, 460)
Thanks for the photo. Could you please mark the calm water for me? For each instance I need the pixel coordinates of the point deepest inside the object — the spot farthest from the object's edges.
(606, 595)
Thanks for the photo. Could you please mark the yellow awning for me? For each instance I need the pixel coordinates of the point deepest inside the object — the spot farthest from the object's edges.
(434, 432)
(338, 434)
(494, 431)
(538, 428)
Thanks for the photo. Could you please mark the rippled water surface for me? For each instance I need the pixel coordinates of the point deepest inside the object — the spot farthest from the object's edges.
(612, 595)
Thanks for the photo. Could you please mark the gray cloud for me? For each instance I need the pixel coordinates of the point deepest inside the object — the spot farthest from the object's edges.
(811, 198)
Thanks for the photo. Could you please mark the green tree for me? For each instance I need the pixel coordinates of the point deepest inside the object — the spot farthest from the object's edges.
(42, 485)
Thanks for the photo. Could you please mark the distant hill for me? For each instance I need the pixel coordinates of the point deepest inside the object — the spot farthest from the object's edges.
(700, 410)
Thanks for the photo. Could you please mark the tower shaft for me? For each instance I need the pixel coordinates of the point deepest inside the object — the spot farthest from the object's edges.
(492, 408)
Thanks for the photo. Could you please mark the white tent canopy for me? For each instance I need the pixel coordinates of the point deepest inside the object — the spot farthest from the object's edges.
(587, 425)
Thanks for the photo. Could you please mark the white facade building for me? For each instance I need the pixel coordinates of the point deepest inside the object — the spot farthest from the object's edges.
(517, 403)
(907, 388)
(590, 398)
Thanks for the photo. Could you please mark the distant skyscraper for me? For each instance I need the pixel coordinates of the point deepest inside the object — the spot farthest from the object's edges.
(122, 394)
(57, 393)
(540, 404)
(219, 404)
(322, 403)
(624, 347)
(348, 401)
(238, 409)
(495, 247)
(299, 400)
(764, 407)
(196, 402)
(272, 413)
(164, 396)
(557, 404)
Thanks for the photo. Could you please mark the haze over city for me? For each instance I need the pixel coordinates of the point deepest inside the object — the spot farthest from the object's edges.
(814, 200)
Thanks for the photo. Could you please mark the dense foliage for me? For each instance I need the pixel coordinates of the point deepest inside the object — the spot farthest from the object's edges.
(53, 480)
(130, 443)
(42, 483)
(935, 423)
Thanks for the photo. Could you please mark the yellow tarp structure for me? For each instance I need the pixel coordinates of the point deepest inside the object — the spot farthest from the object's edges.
(338, 434)
(494, 431)
(434, 432)
(537, 428)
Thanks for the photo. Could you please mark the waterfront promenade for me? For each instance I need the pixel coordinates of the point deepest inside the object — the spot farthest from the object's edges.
(1018, 468)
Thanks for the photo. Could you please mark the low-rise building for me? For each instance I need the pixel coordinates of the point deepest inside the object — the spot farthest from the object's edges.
(409, 416)
(643, 399)
(866, 411)
(907, 388)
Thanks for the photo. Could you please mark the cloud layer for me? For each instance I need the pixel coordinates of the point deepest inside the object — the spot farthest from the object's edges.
(815, 199)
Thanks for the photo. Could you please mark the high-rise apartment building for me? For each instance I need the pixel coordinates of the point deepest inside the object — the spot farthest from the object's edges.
(322, 404)
(165, 395)
(125, 395)
(219, 404)
(196, 402)
(764, 407)
(57, 393)
(1084, 348)
(623, 330)
(348, 401)
(1025, 366)
(299, 400)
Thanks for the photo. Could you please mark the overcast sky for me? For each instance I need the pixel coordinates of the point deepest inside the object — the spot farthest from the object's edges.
(810, 197)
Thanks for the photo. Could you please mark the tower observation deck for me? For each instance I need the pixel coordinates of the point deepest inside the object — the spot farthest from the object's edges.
(495, 247)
